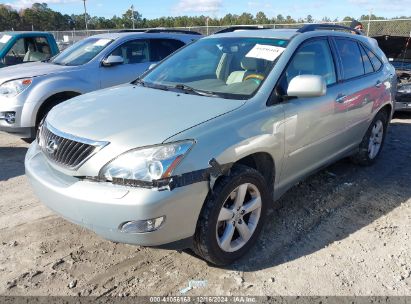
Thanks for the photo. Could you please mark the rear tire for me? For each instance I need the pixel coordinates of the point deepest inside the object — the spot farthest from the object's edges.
(232, 216)
(373, 141)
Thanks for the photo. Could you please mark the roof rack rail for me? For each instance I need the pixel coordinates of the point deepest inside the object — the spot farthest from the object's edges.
(131, 31)
(241, 27)
(315, 27)
(163, 30)
(159, 30)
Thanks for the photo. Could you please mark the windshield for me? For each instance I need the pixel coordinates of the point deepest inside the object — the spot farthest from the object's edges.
(81, 52)
(231, 68)
(4, 39)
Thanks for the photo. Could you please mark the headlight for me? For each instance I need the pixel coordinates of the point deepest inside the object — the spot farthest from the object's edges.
(147, 164)
(14, 87)
(404, 89)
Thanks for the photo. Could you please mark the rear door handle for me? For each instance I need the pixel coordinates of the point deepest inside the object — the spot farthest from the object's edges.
(341, 98)
(378, 84)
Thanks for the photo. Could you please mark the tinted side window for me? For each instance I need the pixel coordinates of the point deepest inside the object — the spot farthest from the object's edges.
(376, 62)
(368, 68)
(161, 48)
(135, 51)
(351, 58)
(312, 58)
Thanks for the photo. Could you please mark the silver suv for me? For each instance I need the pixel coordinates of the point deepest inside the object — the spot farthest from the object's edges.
(29, 91)
(194, 152)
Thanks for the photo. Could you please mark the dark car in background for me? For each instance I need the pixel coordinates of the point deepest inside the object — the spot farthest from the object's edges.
(398, 52)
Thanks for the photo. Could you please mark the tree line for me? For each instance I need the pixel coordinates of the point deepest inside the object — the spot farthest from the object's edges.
(42, 18)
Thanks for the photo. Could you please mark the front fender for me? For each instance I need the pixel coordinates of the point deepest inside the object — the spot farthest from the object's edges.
(44, 88)
(248, 130)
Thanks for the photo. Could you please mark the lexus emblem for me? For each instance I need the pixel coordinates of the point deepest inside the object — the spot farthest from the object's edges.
(51, 146)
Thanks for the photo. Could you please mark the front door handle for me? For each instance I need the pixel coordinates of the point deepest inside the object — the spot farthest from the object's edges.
(378, 84)
(341, 98)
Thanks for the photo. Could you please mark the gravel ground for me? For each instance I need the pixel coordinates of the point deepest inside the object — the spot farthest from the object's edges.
(344, 231)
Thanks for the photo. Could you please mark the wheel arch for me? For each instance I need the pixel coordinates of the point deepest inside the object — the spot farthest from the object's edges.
(388, 109)
(263, 163)
(53, 100)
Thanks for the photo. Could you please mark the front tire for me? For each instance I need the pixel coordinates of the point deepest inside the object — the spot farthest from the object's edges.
(373, 141)
(232, 216)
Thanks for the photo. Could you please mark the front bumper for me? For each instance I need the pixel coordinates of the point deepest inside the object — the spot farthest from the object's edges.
(20, 132)
(22, 126)
(403, 105)
(103, 207)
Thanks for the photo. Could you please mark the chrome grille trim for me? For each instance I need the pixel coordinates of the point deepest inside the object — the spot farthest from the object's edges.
(66, 150)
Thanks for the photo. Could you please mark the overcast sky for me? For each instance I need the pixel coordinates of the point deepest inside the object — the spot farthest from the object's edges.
(217, 8)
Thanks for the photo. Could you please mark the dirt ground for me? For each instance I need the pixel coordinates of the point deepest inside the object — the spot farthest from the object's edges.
(344, 231)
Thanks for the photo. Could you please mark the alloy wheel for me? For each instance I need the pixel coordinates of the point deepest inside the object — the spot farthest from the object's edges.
(375, 141)
(238, 217)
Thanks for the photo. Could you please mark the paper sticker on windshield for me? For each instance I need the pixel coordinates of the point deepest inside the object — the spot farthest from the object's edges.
(266, 52)
(102, 42)
(5, 39)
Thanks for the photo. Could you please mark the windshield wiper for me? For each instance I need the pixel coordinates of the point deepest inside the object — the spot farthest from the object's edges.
(139, 81)
(188, 89)
(150, 85)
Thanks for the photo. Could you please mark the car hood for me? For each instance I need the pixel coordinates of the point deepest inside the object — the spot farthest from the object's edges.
(133, 116)
(32, 69)
(397, 50)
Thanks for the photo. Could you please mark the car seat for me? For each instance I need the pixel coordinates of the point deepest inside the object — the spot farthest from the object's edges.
(249, 66)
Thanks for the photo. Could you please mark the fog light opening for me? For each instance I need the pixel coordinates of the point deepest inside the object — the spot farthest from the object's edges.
(143, 226)
(10, 117)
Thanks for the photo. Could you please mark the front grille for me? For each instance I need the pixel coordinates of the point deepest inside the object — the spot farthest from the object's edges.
(66, 150)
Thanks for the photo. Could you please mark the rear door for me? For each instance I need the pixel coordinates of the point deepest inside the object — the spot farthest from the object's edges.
(363, 87)
(314, 126)
(161, 48)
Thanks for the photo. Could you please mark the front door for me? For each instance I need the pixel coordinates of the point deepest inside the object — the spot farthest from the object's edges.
(313, 126)
(136, 56)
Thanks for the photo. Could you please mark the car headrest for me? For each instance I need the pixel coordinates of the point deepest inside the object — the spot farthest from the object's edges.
(46, 49)
(304, 61)
(249, 64)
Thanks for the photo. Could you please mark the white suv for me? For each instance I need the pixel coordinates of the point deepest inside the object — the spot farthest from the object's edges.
(193, 153)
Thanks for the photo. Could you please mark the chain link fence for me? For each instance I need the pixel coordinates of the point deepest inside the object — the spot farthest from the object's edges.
(372, 28)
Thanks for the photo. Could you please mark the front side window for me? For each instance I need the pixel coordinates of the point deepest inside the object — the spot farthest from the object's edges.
(312, 58)
(136, 51)
(352, 63)
(224, 67)
(82, 52)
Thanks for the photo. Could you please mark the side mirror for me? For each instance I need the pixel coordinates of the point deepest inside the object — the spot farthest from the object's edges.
(307, 86)
(113, 60)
